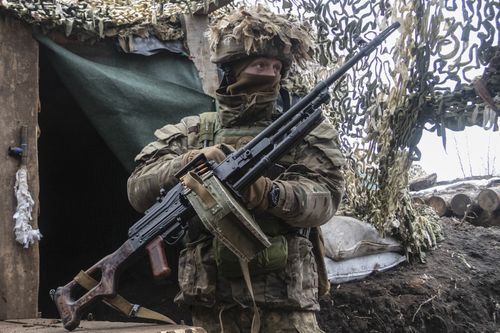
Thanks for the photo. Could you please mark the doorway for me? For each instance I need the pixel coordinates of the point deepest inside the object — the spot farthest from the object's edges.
(84, 211)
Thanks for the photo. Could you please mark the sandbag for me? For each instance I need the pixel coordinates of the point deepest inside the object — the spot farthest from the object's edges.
(347, 237)
(360, 267)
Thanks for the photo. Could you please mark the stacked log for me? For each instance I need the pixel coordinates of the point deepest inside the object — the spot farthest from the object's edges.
(423, 182)
(464, 203)
(487, 219)
(489, 199)
(440, 204)
(478, 202)
(418, 200)
(458, 204)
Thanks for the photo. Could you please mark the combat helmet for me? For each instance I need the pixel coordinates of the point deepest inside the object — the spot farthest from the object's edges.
(258, 31)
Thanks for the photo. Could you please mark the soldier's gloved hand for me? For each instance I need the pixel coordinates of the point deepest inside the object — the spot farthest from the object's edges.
(213, 153)
(256, 196)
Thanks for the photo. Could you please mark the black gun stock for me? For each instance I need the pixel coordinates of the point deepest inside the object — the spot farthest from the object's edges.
(168, 217)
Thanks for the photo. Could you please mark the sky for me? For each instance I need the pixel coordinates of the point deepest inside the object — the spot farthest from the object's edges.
(472, 152)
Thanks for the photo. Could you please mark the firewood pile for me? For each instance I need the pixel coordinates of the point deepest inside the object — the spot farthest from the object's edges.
(475, 200)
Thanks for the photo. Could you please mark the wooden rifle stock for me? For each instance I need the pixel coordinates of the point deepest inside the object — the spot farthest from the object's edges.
(165, 220)
(107, 269)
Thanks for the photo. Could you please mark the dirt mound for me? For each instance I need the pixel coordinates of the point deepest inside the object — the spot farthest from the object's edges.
(456, 290)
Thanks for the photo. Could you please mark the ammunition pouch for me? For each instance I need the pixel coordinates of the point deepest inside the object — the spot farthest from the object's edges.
(224, 217)
(268, 260)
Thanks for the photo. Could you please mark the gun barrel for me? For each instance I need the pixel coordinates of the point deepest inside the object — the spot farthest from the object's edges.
(316, 117)
(366, 50)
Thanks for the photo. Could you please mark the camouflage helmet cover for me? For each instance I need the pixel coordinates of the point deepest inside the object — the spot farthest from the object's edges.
(257, 31)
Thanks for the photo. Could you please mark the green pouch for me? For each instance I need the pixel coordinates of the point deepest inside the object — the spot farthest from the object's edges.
(270, 259)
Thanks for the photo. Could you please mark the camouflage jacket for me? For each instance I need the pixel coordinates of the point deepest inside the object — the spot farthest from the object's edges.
(310, 191)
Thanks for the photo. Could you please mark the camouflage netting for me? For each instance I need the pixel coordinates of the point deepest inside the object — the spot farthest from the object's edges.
(440, 70)
(106, 18)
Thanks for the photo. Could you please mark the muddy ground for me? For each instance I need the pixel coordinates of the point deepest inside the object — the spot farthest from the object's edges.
(456, 290)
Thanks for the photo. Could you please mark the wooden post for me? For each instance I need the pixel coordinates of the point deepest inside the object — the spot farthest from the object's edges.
(195, 27)
(19, 267)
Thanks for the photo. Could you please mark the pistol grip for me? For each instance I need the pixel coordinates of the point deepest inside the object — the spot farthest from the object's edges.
(158, 259)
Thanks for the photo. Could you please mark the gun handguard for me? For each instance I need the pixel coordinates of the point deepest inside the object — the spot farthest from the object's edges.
(168, 217)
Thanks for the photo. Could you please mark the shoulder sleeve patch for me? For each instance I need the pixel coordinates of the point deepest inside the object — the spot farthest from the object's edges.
(166, 135)
(170, 132)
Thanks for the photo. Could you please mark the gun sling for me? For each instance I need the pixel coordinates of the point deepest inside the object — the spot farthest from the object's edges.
(202, 189)
(121, 304)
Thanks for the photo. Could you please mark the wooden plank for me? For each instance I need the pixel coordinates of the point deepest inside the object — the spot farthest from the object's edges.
(55, 326)
(196, 27)
(19, 267)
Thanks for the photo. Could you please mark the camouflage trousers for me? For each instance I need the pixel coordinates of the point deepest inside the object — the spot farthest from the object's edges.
(238, 320)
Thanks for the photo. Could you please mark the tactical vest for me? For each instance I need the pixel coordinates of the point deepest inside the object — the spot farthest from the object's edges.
(273, 258)
(211, 133)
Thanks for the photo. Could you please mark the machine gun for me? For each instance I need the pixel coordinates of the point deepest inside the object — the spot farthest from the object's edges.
(167, 220)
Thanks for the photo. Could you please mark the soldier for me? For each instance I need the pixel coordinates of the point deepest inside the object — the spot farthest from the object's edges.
(255, 48)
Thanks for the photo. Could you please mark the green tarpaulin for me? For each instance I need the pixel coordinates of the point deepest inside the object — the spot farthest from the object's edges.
(128, 96)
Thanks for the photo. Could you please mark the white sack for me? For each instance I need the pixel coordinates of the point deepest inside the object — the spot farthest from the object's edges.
(360, 267)
(347, 237)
